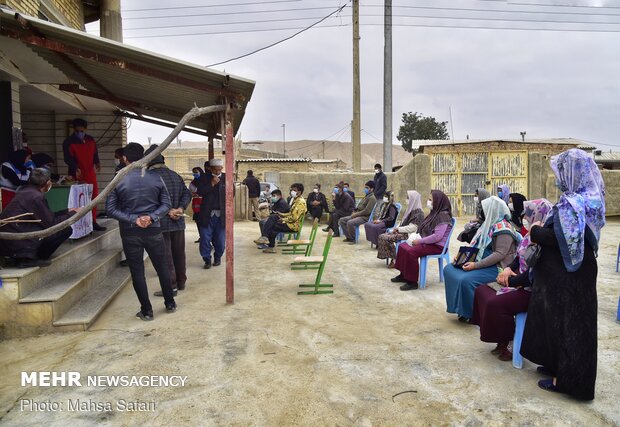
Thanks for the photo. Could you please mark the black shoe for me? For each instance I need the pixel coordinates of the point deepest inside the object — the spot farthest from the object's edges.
(398, 279)
(336, 235)
(217, 262)
(181, 286)
(326, 229)
(409, 286)
(28, 263)
(124, 263)
(197, 241)
(463, 319)
(207, 265)
(347, 240)
(172, 307)
(161, 294)
(146, 317)
(98, 227)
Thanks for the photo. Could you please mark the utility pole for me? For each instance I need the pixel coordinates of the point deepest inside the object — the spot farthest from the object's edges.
(356, 126)
(323, 150)
(387, 88)
(451, 125)
(284, 138)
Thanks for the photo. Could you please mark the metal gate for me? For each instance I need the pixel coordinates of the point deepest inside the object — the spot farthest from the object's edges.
(458, 175)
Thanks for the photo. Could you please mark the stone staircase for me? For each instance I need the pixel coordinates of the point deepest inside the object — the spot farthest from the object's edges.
(70, 294)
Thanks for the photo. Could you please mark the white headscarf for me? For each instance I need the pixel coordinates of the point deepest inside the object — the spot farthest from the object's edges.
(414, 201)
(495, 210)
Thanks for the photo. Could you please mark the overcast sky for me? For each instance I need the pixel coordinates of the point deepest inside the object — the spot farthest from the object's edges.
(497, 82)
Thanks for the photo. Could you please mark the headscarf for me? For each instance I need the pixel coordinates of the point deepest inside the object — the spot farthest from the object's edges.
(41, 159)
(496, 222)
(385, 207)
(414, 201)
(535, 210)
(580, 212)
(440, 214)
(17, 158)
(517, 206)
(505, 193)
(482, 194)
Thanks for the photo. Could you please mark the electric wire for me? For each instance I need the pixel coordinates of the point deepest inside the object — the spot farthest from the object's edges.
(211, 5)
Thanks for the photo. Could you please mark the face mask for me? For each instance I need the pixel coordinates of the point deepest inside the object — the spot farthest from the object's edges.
(218, 175)
(377, 170)
(196, 175)
(80, 135)
(293, 193)
(335, 191)
(500, 194)
(476, 199)
(429, 204)
(366, 191)
(316, 190)
(29, 164)
(46, 167)
(385, 200)
(345, 189)
(117, 162)
(274, 199)
(511, 206)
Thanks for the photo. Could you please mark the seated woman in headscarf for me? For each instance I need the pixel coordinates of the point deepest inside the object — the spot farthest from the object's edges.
(386, 219)
(503, 192)
(494, 311)
(434, 232)
(561, 326)
(16, 171)
(412, 219)
(472, 226)
(516, 211)
(496, 241)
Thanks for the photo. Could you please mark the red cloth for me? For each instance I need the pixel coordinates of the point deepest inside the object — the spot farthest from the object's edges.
(84, 156)
(495, 313)
(7, 195)
(407, 259)
(196, 202)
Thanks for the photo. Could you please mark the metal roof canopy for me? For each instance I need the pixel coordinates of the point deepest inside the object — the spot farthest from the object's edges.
(134, 80)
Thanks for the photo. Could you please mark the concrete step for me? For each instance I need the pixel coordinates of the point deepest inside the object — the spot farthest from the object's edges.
(67, 289)
(85, 311)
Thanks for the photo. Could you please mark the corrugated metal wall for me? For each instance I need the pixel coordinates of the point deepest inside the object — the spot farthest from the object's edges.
(460, 174)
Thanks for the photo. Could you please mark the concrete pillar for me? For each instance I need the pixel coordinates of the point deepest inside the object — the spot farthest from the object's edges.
(10, 117)
(111, 22)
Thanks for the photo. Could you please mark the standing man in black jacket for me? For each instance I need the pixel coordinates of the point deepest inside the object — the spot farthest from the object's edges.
(173, 224)
(212, 188)
(380, 182)
(139, 202)
(253, 193)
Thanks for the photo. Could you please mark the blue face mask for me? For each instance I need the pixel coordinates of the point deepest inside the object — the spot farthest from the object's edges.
(345, 189)
(335, 191)
(500, 194)
(196, 175)
(366, 191)
(29, 164)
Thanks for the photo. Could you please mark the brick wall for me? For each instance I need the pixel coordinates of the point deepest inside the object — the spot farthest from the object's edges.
(71, 10)
(28, 7)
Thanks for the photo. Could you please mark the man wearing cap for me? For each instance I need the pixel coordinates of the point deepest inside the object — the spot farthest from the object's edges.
(361, 213)
(80, 154)
(212, 219)
(139, 202)
(173, 224)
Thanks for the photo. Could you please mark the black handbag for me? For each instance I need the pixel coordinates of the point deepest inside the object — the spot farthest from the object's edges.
(466, 254)
(532, 254)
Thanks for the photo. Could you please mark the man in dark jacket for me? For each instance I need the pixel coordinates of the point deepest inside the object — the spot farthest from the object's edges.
(81, 155)
(360, 215)
(348, 190)
(31, 199)
(343, 206)
(278, 205)
(317, 202)
(173, 224)
(212, 188)
(139, 202)
(253, 193)
(380, 182)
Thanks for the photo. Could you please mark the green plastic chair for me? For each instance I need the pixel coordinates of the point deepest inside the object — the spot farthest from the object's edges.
(297, 246)
(317, 262)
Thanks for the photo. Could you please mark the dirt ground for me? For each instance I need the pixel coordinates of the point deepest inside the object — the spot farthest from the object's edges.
(276, 358)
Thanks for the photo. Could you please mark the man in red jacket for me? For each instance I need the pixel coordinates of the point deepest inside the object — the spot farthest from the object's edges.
(80, 153)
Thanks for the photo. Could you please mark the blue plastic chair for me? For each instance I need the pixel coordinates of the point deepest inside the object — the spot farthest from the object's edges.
(357, 227)
(443, 256)
(517, 359)
(618, 258)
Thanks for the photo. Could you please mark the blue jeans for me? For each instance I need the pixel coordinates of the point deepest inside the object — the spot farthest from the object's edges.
(213, 236)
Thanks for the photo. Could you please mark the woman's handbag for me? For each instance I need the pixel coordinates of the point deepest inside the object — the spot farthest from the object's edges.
(466, 254)
(532, 254)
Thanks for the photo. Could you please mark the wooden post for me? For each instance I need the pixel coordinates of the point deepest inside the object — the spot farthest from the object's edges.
(356, 127)
(211, 151)
(230, 209)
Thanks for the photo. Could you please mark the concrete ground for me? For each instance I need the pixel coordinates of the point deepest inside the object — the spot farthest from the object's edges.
(367, 355)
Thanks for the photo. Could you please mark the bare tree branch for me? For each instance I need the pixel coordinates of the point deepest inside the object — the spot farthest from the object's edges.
(142, 163)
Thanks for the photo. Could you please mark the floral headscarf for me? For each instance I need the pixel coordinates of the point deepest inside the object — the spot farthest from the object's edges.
(580, 212)
(534, 210)
(505, 193)
(496, 222)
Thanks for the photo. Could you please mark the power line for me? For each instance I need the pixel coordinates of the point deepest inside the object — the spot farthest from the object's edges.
(281, 41)
(227, 13)
(564, 5)
(210, 5)
(224, 23)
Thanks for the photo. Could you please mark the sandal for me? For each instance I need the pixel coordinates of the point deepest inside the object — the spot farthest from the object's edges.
(548, 385)
(392, 264)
